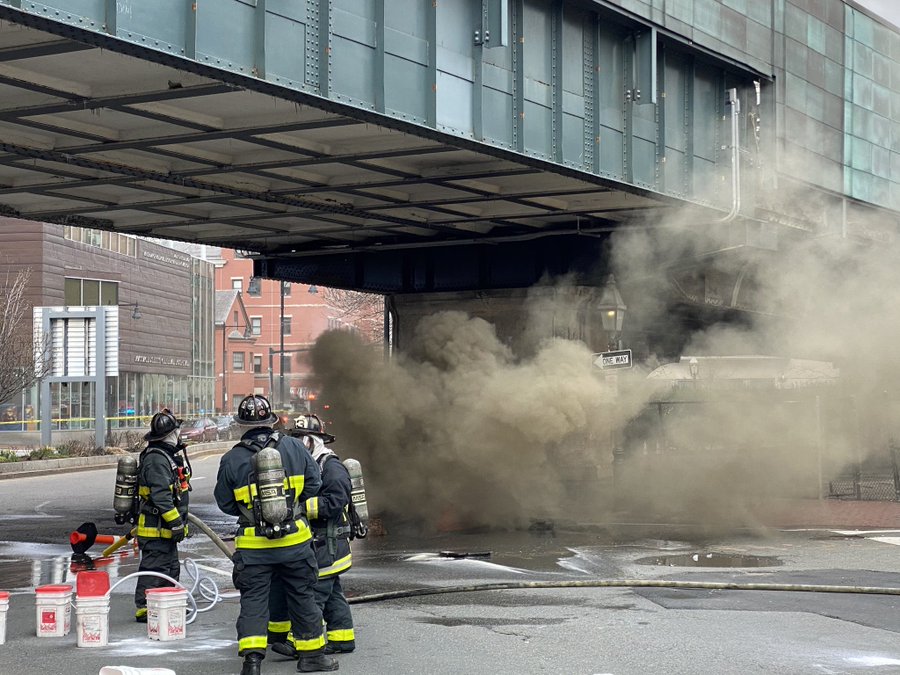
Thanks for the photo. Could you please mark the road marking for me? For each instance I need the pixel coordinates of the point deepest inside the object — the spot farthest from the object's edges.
(887, 540)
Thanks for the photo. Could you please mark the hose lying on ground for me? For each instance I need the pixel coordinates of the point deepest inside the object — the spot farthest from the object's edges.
(587, 583)
(625, 583)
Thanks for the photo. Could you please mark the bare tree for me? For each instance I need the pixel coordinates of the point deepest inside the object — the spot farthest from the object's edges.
(19, 367)
(363, 311)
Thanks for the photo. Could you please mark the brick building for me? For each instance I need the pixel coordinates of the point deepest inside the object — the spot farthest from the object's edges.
(263, 329)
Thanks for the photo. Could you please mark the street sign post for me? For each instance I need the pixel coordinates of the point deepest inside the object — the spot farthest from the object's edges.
(613, 360)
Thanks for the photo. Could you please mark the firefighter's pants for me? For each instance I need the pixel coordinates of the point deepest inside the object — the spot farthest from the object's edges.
(157, 555)
(297, 575)
(330, 599)
(336, 612)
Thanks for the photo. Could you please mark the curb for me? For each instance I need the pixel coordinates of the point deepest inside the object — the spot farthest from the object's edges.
(44, 467)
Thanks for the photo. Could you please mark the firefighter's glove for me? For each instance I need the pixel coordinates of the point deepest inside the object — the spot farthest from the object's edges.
(179, 530)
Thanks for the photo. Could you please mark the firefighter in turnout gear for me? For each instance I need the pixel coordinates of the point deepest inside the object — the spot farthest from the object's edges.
(163, 485)
(328, 518)
(267, 550)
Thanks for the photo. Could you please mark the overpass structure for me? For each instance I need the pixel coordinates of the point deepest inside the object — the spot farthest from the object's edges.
(406, 147)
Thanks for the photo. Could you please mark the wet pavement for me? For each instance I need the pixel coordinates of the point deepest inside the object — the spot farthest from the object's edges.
(587, 631)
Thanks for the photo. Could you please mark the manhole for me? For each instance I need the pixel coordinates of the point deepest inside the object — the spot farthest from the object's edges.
(711, 560)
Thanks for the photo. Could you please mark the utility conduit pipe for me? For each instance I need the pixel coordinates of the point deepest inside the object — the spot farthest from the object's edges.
(735, 104)
(626, 583)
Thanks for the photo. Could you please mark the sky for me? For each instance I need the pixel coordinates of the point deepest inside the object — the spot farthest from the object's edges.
(889, 9)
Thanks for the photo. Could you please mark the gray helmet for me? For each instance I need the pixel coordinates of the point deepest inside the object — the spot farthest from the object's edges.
(255, 411)
(161, 425)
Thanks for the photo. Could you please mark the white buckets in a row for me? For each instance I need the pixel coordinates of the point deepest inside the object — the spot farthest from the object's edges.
(166, 611)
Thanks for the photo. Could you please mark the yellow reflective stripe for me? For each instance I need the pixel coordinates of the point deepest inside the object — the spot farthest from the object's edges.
(279, 626)
(253, 642)
(154, 532)
(307, 645)
(338, 566)
(312, 508)
(296, 483)
(143, 491)
(151, 532)
(345, 635)
(242, 494)
(249, 538)
(171, 515)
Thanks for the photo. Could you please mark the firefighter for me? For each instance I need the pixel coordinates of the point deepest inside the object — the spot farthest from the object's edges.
(328, 518)
(267, 550)
(163, 483)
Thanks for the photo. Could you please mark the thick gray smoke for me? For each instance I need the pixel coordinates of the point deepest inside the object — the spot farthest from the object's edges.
(459, 433)
(463, 431)
(734, 452)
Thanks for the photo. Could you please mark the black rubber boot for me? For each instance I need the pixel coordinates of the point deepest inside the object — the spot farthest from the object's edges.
(252, 664)
(316, 664)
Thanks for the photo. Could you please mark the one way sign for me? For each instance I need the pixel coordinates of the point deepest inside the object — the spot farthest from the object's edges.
(610, 360)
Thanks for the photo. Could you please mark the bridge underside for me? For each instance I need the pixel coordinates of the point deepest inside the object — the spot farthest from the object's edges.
(101, 133)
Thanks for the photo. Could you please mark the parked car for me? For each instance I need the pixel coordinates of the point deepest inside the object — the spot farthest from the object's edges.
(200, 430)
(228, 428)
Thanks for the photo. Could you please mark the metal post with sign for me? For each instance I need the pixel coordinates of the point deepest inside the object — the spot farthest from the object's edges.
(613, 360)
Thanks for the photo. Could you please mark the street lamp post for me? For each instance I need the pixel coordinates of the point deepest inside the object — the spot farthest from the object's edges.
(281, 352)
(612, 312)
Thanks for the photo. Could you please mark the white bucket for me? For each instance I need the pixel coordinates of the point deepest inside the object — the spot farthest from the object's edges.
(128, 670)
(166, 609)
(92, 621)
(53, 605)
(4, 606)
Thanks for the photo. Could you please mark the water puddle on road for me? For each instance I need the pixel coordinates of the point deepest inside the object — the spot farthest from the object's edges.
(711, 560)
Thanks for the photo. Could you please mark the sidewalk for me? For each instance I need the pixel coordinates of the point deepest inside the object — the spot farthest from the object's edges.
(832, 513)
(42, 467)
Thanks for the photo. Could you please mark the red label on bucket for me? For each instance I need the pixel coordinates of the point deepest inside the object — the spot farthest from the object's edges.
(48, 619)
(4, 595)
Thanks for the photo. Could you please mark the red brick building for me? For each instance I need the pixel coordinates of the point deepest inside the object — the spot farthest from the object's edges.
(263, 329)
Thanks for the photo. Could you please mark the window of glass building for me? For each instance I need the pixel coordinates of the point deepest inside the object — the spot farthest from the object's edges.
(286, 325)
(237, 360)
(122, 244)
(257, 363)
(89, 292)
(255, 325)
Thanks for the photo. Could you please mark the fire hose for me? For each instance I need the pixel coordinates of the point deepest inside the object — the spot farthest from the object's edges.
(587, 583)
(210, 592)
(625, 583)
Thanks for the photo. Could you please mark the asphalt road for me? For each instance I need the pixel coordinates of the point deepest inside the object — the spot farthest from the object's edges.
(589, 631)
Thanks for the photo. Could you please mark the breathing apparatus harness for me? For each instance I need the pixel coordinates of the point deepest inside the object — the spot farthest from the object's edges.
(357, 510)
(127, 500)
(272, 511)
